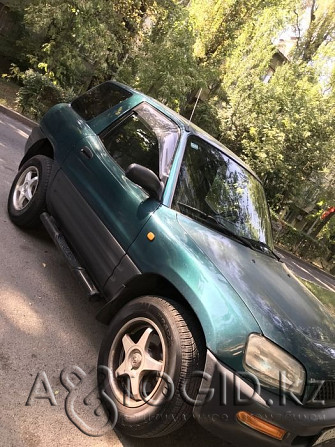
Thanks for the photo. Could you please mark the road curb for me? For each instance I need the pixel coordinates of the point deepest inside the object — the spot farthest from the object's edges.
(17, 116)
(303, 261)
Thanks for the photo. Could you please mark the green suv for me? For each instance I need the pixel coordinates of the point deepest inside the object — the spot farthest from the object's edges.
(173, 230)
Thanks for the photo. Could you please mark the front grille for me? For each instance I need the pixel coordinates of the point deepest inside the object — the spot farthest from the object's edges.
(327, 392)
(320, 398)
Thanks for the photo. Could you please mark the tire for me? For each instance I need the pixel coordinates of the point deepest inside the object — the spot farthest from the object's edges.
(156, 334)
(27, 196)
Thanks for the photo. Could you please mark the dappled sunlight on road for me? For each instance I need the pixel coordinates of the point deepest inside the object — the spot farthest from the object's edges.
(16, 307)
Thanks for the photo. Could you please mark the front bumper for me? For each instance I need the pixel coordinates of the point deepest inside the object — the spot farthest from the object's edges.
(231, 395)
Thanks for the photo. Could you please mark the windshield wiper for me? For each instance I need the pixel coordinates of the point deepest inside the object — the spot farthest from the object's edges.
(251, 243)
(264, 248)
(207, 218)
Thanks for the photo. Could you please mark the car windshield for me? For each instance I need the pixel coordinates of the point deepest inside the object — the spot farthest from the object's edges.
(214, 187)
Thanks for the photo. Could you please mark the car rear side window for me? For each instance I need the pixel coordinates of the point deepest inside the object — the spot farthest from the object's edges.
(99, 99)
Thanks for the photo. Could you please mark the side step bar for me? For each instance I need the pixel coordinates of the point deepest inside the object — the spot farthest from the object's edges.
(58, 238)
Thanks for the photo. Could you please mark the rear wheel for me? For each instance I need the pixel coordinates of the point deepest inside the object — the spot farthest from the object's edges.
(152, 347)
(27, 196)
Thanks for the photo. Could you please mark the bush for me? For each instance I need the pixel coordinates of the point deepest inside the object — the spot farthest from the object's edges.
(38, 93)
(298, 242)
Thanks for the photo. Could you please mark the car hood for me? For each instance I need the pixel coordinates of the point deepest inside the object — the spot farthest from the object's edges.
(286, 311)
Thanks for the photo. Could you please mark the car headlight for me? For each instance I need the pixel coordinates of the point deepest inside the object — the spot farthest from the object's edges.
(273, 366)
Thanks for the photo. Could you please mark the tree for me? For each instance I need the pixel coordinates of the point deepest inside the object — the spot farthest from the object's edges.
(71, 41)
(164, 65)
(283, 128)
(76, 41)
(320, 18)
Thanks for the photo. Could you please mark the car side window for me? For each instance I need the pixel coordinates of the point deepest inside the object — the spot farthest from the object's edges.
(99, 99)
(133, 142)
(147, 137)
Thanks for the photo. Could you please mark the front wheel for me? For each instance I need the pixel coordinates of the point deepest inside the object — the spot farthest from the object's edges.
(152, 349)
(27, 196)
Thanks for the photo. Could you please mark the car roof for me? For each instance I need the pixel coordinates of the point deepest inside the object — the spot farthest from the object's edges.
(188, 126)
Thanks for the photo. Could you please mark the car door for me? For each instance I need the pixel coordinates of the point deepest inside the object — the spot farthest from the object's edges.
(101, 211)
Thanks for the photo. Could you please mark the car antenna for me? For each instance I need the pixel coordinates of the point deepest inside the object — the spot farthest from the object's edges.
(195, 105)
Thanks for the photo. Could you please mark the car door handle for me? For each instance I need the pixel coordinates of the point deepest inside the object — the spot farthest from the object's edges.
(86, 152)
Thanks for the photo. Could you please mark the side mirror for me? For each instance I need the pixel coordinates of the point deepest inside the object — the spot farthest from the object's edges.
(145, 178)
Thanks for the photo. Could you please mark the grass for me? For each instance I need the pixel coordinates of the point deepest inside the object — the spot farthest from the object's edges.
(8, 90)
(327, 297)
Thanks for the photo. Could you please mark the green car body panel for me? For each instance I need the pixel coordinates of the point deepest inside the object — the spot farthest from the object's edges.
(235, 291)
(225, 319)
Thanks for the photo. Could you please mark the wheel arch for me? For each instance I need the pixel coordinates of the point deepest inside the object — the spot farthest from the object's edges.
(37, 144)
(222, 317)
(42, 147)
(140, 285)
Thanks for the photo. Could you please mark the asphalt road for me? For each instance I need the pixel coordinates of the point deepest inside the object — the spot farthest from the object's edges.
(47, 325)
(307, 271)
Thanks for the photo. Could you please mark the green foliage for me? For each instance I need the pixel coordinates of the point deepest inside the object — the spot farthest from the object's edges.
(297, 241)
(219, 24)
(71, 40)
(284, 129)
(328, 233)
(321, 29)
(164, 65)
(85, 42)
(207, 117)
(38, 93)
